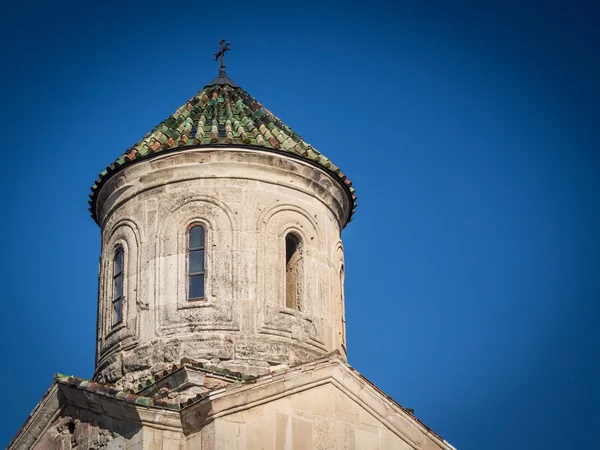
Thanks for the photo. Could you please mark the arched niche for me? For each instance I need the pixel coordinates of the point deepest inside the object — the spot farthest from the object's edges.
(124, 235)
(174, 313)
(273, 316)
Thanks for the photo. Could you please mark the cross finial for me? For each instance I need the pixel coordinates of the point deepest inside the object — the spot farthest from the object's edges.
(221, 54)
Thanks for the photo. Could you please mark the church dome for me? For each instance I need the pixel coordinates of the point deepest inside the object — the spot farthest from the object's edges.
(221, 114)
(221, 242)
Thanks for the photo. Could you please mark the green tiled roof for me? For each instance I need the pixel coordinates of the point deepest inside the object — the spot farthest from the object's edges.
(221, 114)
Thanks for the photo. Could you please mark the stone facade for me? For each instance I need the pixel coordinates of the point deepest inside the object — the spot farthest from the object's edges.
(247, 201)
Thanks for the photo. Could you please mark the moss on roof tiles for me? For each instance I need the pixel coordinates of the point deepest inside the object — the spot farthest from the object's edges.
(220, 113)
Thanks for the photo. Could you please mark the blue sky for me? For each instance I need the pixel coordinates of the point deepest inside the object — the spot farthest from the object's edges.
(471, 134)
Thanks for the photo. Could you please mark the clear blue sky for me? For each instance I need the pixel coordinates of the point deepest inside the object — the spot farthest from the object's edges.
(470, 132)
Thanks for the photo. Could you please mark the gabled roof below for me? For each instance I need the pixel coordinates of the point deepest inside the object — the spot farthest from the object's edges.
(235, 393)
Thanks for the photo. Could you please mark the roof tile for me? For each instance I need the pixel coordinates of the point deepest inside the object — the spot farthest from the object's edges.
(221, 113)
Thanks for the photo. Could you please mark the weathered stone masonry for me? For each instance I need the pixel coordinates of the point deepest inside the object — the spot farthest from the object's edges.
(247, 211)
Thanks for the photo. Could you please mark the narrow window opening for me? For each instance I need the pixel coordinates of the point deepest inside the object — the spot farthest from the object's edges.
(342, 284)
(117, 301)
(196, 271)
(293, 271)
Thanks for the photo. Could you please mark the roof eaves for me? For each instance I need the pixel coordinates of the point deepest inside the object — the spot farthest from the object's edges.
(225, 374)
(38, 419)
(104, 176)
(256, 126)
(111, 392)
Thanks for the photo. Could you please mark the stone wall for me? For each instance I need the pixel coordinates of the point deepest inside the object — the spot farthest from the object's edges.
(77, 429)
(322, 418)
(247, 201)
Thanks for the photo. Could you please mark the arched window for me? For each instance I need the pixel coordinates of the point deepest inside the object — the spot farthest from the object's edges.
(117, 300)
(196, 263)
(293, 271)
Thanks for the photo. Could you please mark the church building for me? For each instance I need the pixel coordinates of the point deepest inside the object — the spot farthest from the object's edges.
(221, 298)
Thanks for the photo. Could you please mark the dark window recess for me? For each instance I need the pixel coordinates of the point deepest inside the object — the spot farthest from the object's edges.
(195, 269)
(117, 300)
(294, 279)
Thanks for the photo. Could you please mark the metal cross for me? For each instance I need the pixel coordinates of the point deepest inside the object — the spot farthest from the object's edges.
(221, 54)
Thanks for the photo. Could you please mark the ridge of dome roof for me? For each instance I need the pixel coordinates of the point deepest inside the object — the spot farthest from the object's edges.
(221, 114)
